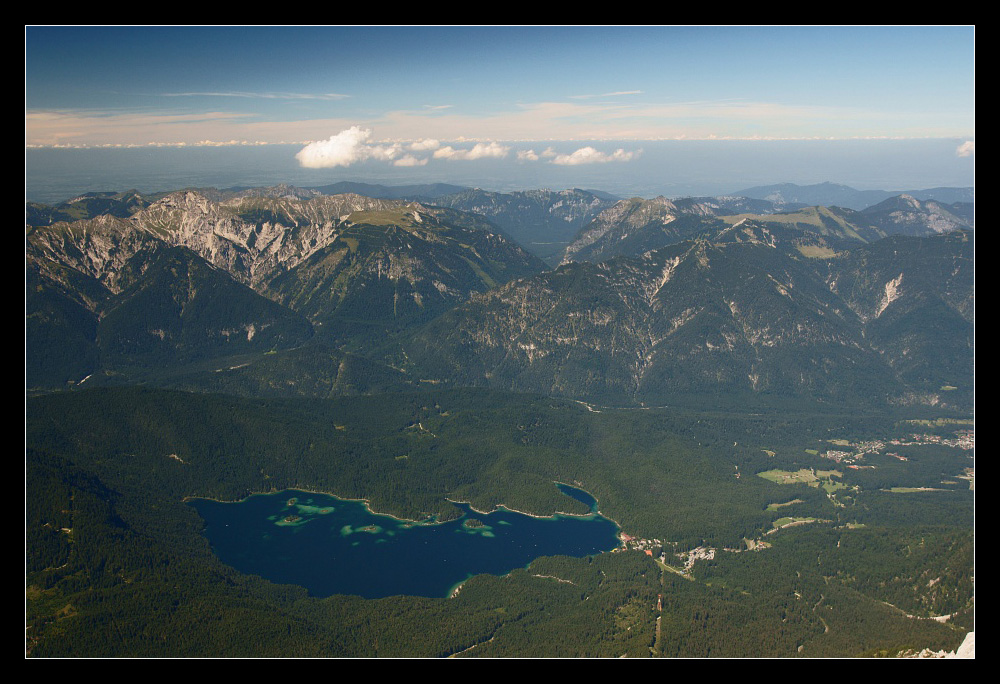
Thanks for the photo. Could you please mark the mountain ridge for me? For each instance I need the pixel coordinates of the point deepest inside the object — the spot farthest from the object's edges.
(741, 313)
(836, 194)
(404, 262)
(690, 299)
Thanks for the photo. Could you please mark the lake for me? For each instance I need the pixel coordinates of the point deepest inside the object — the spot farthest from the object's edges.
(337, 546)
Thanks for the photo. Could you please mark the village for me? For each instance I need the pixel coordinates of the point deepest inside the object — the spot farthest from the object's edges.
(964, 439)
(656, 549)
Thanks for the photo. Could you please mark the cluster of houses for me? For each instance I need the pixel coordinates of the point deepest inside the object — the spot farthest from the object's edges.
(697, 554)
(858, 451)
(839, 456)
(964, 439)
(630, 543)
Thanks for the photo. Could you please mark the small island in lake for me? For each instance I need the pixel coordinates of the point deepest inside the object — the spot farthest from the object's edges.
(260, 534)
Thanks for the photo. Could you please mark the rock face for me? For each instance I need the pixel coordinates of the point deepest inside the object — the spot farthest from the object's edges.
(966, 650)
(253, 237)
(968, 647)
(97, 248)
(249, 268)
(906, 215)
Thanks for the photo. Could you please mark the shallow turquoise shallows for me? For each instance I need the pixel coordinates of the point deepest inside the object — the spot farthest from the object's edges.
(336, 546)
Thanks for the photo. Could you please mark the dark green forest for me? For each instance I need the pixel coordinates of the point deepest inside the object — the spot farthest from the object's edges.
(777, 410)
(117, 565)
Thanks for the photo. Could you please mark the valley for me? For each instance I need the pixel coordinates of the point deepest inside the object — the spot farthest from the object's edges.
(774, 402)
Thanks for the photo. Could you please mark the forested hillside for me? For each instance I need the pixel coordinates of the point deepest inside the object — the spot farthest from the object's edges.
(776, 408)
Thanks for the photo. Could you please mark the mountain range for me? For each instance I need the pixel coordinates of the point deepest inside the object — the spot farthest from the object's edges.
(686, 298)
(633, 227)
(738, 313)
(247, 274)
(773, 403)
(835, 194)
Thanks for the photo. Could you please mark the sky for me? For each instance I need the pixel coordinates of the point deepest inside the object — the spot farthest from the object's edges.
(90, 86)
(505, 107)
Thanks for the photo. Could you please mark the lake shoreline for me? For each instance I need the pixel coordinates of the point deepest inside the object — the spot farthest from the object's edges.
(396, 556)
(367, 503)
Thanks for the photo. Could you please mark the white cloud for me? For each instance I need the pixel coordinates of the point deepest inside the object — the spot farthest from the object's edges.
(343, 149)
(346, 148)
(966, 149)
(527, 155)
(423, 145)
(384, 152)
(410, 160)
(589, 155)
(480, 151)
(352, 146)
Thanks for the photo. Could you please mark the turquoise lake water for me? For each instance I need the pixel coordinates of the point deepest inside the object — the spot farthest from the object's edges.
(336, 546)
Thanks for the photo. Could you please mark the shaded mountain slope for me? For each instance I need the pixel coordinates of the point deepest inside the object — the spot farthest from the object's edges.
(737, 315)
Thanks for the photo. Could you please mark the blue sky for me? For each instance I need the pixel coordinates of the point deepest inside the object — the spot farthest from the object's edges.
(141, 85)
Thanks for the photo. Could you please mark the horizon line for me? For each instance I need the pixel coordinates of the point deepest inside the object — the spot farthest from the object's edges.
(264, 143)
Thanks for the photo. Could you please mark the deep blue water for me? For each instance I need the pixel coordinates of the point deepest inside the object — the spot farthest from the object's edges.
(580, 495)
(336, 546)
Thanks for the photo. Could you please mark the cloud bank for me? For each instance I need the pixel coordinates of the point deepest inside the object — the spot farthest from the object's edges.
(589, 155)
(353, 145)
(480, 151)
(966, 149)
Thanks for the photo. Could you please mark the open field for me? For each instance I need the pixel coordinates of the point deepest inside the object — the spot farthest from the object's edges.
(789, 521)
(816, 252)
(776, 506)
(811, 477)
